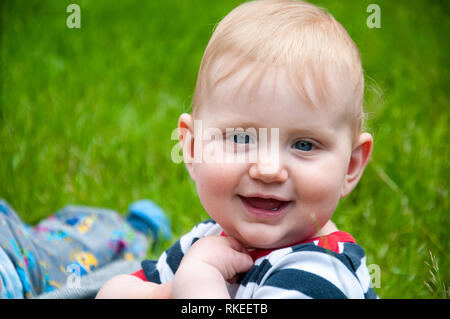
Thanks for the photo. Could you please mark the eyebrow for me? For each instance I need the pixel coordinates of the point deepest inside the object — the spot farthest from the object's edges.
(237, 124)
(311, 129)
(308, 129)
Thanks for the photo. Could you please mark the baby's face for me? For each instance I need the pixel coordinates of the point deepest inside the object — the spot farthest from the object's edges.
(291, 192)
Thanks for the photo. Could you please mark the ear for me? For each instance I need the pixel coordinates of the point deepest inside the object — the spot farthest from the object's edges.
(358, 160)
(186, 137)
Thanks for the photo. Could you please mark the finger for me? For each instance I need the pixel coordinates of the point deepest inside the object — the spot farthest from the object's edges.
(241, 263)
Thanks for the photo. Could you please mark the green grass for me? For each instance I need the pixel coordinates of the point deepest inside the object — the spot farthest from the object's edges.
(86, 117)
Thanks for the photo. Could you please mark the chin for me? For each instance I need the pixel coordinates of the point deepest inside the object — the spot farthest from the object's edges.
(263, 240)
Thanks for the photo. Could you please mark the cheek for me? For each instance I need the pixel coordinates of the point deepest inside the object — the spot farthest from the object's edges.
(318, 195)
(216, 184)
(319, 185)
(212, 178)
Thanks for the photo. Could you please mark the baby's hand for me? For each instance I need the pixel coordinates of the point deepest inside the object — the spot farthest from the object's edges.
(225, 254)
(207, 265)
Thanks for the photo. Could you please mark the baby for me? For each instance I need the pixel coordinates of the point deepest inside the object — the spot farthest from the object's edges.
(288, 68)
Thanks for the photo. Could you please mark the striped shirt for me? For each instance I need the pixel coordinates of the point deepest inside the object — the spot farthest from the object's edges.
(333, 266)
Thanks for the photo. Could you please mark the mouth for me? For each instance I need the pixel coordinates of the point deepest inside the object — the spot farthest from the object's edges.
(265, 206)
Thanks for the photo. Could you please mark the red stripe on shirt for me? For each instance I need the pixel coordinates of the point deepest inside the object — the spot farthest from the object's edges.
(140, 274)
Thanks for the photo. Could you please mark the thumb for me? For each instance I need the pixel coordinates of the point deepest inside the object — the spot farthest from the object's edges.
(240, 260)
(243, 262)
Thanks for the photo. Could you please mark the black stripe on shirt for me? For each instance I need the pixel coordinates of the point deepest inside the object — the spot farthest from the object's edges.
(370, 294)
(174, 256)
(255, 274)
(150, 271)
(354, 253)
(305, 282)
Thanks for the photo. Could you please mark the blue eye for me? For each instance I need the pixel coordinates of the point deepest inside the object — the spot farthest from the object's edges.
(241, 138)
(303, 146)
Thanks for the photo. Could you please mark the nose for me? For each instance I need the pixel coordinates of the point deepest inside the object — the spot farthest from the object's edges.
(269, 169)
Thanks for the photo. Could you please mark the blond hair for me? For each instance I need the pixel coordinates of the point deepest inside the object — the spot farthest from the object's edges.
(299, 36)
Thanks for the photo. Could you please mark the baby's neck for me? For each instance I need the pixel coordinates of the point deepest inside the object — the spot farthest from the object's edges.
(327, 229)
